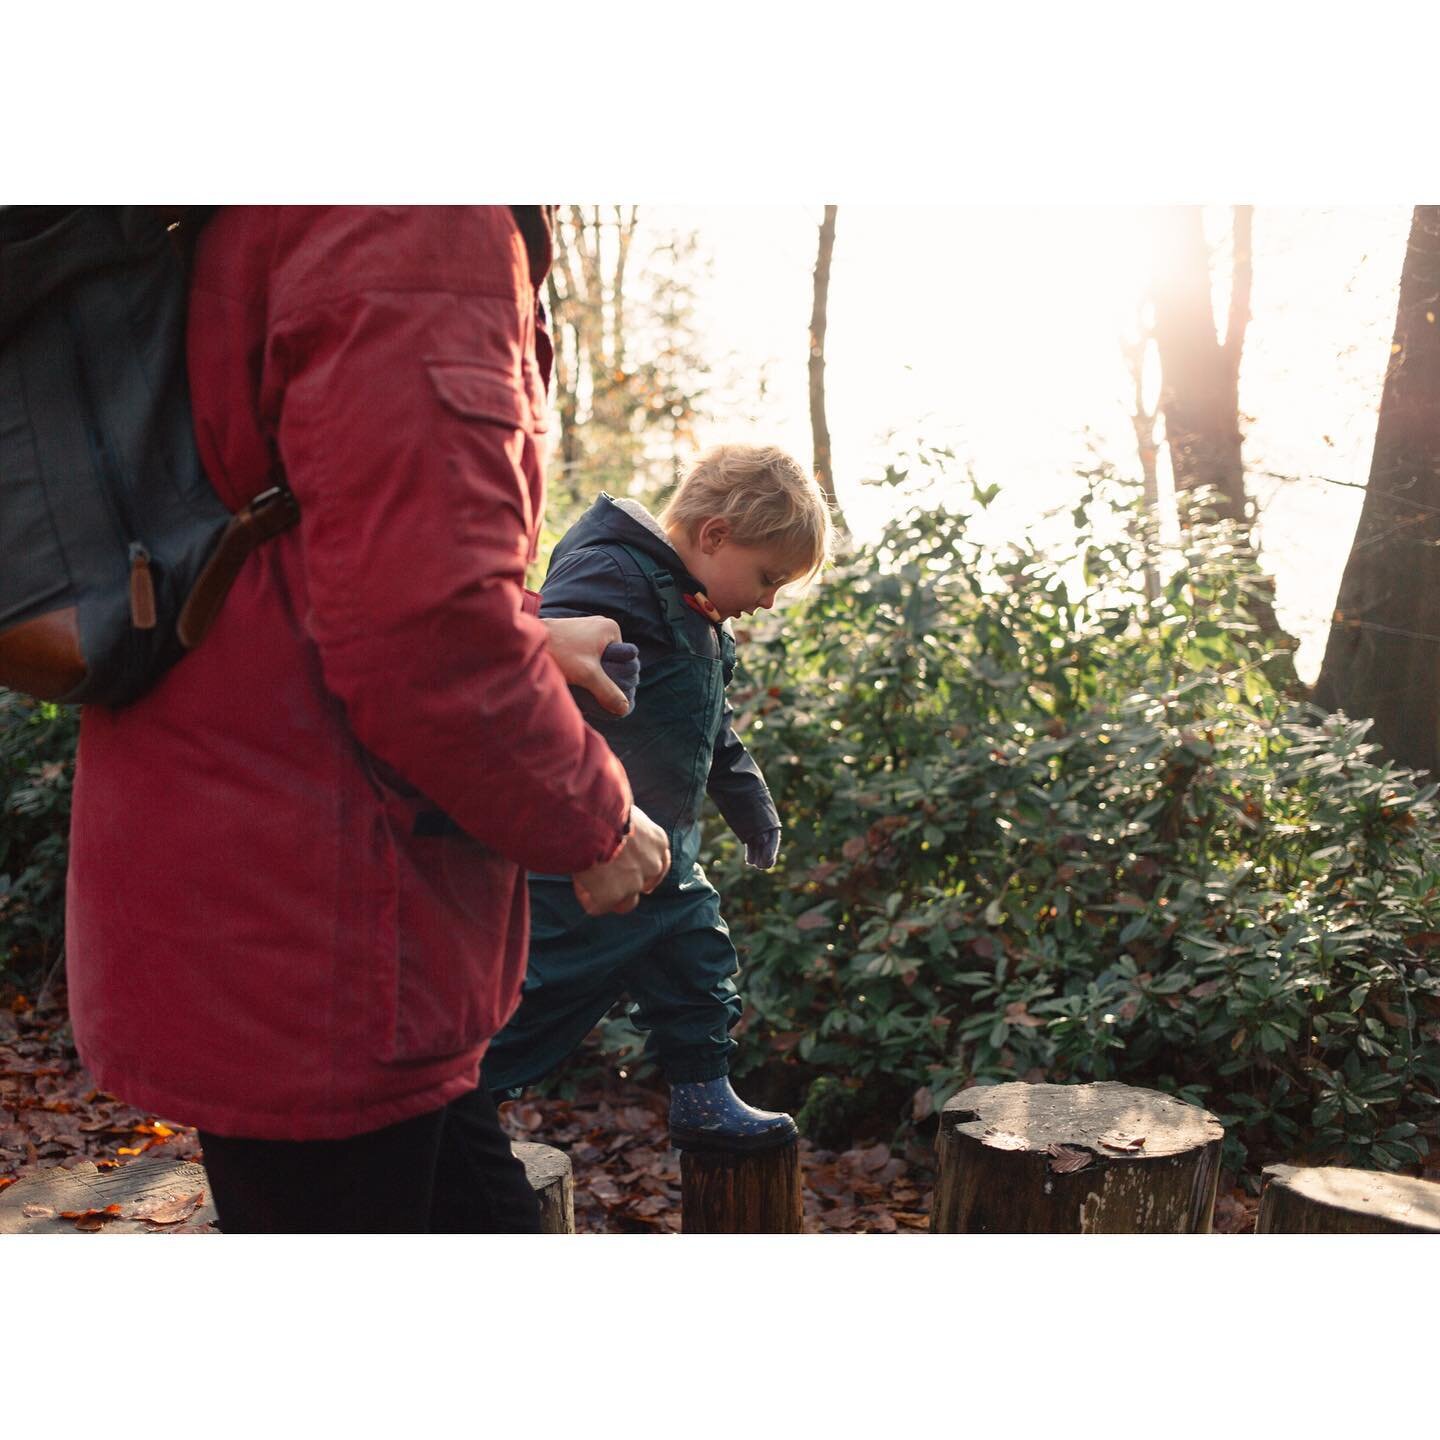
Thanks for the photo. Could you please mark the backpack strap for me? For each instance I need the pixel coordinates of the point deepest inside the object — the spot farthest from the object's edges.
(269, 514)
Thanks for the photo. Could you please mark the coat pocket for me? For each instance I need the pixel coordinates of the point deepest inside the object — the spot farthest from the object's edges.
(451, 964)
(481, 392)
(494, 396)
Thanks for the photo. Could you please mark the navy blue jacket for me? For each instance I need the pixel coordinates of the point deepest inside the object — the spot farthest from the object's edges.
(593, 573)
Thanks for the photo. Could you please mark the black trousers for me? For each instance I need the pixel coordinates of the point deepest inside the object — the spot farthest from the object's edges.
(449, 1172)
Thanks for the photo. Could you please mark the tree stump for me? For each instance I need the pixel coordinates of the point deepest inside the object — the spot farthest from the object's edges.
(553, 1182)
(158, 1195)
(151, 1196)
(1331, 1200)
(1098, 1159)
(723, 1193)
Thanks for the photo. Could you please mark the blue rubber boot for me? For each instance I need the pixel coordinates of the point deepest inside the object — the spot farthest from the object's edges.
(709, 1115)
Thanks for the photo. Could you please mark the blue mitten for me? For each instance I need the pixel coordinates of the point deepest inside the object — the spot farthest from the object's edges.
(621, 662)
(763, 850)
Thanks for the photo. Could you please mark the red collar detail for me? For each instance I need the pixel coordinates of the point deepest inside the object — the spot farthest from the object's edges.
(700, 602)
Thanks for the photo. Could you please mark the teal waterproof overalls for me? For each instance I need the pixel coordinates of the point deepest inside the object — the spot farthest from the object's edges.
(672, 955)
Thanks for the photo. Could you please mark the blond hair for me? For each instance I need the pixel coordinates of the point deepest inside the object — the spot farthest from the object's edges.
(763, 495)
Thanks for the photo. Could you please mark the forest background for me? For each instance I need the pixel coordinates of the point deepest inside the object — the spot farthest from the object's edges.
(1048, 103)
(1058, 802)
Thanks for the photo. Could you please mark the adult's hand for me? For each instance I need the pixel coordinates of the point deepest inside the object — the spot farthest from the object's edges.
(640, 865)
(577, 646)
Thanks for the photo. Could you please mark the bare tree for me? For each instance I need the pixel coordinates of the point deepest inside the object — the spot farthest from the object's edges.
(1200, 374)
(819, 428)
(627, 369)
(1382, 659)
(1143, 419)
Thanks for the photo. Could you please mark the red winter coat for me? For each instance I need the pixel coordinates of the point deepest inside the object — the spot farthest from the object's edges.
(258, 941)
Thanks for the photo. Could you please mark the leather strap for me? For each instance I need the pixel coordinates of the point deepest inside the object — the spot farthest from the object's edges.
(267, 515)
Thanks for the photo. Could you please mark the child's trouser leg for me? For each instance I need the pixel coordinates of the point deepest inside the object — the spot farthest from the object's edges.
(685, 997)
(573, 975)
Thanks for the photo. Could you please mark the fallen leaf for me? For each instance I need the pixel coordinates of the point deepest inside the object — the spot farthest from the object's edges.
(1004, 1140)
(872, 1158)
(165, 1209)
(90, 1221)
(1066, 1159)
(38, 1212)
(527, 1116)
(1114, 1140)
(1016, 1014)
(604, 1189)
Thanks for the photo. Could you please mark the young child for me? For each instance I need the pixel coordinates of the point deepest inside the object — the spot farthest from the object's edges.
(744, 522)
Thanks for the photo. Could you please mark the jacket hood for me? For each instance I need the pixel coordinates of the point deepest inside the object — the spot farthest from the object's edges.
(607, 523)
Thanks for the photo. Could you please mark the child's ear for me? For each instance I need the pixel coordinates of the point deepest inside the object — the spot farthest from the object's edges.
(713, 533)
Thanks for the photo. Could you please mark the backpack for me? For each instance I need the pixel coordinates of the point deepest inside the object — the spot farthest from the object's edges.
(115, 551)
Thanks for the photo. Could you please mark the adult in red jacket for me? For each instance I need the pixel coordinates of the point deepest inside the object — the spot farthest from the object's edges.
(268, 936)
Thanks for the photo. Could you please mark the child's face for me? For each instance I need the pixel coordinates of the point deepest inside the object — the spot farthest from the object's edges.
(738, 578)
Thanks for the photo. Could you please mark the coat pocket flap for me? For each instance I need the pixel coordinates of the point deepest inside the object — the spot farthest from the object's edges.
(480, 393)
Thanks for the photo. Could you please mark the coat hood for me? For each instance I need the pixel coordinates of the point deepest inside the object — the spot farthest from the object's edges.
(608, 522)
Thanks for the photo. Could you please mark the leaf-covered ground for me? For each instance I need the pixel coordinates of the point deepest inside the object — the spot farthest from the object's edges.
(627, 1179)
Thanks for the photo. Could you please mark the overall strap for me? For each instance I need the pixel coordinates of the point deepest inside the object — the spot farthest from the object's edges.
(672, 603)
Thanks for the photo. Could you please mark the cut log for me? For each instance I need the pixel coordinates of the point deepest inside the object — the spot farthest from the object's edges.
(1332, 1200)
(154, 1196)
(1098, 1159)
(553, 1182)
(736, 1194)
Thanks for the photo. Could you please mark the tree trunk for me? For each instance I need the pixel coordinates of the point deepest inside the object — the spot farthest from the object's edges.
(566, 368)
(1328, 1200)
(1382, 659)
(549, 1173)
(1200, 376)
(39, 1203)
(737, 1194)
(819, 428)
(1143, 421)
(1101, 1159)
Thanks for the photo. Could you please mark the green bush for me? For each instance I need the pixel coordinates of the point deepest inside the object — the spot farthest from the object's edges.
(1040, 825)
(37, 768)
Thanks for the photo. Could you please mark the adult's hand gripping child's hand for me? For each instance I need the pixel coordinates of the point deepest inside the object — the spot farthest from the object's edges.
(638, 867)
(591, 655)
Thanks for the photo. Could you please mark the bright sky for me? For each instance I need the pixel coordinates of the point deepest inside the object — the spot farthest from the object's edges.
(997, 332)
